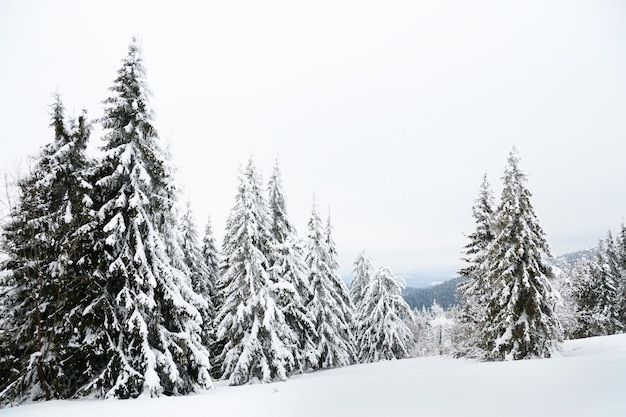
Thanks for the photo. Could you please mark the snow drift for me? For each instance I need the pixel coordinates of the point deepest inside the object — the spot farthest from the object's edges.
(587, 379)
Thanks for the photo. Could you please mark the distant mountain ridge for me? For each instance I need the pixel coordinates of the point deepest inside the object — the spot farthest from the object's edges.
(568, 261)
(419, 279)
(445, 292)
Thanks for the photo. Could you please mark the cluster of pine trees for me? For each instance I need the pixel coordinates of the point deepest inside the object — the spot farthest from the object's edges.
(281, 307)
(508, 301)
(435, 330)
(594, 290)
(97, 297)
(107, 290)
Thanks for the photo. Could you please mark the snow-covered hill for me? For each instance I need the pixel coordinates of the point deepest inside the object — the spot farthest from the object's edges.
(587, 379)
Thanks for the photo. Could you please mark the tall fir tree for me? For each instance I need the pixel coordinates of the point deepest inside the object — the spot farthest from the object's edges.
(566, 285)
(594, 295)
(621, 287)
(211, 259)
(610, 256)
(608, 284)
(252, 330)
(45, 240)
(520, 321)
(382, 315)
(473, 291)
(440, 327)
(145, 322)
(288, 266)
(363, 271)
(202, 280)
(332, 262)
(330, 303)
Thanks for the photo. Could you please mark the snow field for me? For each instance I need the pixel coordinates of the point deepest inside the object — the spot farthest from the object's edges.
(587, 379)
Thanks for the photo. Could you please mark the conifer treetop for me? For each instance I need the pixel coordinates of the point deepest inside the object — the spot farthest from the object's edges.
(127, 111)
(282, 229)
(483, 213)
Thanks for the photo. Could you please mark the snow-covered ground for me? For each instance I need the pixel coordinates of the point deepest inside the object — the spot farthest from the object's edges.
(587, 379)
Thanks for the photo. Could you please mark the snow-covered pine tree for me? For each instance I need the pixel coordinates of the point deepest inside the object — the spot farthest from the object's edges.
(332, 262)
(481, 238)
(202, 280)
(520, 321)
(607, 308)
(382, 330)
(610, 257)
(473, 292)
(287, 265)
(45, 242)
(211, 259)
(421, 330)
(330, 304)
(363, 272)
(252, 330)
(145, 323)
(593, 294)
(440, 326)
(620, 243)
(621, 287)
(566, 310)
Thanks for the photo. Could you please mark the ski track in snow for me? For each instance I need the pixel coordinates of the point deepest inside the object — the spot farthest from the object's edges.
(587, 379)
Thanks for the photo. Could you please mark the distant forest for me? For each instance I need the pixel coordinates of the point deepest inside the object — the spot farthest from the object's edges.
(444, 294)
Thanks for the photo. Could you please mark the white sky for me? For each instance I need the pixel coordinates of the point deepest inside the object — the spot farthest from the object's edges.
(390, 111)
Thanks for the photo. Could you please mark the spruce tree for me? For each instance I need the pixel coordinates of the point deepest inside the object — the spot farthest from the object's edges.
(606, 283)
(332, 247)
(382, 331)
(330, 303)
(473, 291)
(363, 272)
(610, 257)
(210, 256)
(439, 327)
(252, 330)
(45, 242)
(566, 283)
(145, 322)
(520, 321)
(422, 332)
(202, 280)
(594, 296)
(287, 265)
(621, 286)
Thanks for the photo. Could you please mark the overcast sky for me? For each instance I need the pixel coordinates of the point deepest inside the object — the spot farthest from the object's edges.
(389, 111)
